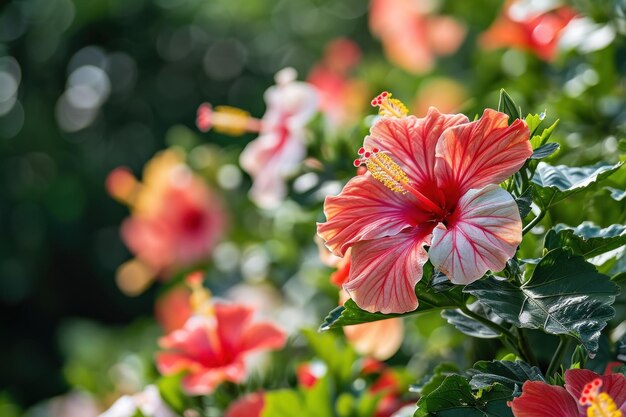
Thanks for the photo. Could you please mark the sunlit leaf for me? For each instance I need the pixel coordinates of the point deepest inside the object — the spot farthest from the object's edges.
(587, 239)
(565, 295)
(555, 183)
(537, 141)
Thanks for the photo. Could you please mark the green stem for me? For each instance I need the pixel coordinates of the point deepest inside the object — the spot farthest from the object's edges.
(533, 222)
(508, 337)
(525, 347)
(558, 356)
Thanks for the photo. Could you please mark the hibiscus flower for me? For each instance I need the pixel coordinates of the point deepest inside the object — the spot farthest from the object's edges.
(525, 26)
(585, 394)
(213, 344)
(280, 147)
(432, 181)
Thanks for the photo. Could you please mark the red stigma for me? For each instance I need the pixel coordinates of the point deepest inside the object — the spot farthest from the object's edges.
(367, 154)
(597, 382)
(375, 150)
(357, 163)
(361, 151)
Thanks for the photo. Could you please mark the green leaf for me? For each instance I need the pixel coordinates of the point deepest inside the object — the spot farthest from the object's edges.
(511, 374)
(524, 202)
(616, 194)
(621, 146)
(454, 398)
(304, 402)
(545, 151)
(508, 106)
(431, 297)
(554, 183)
(565, 295)
(536, 141)
(434, 381)
(171, 391)
(587, 239)
(533, 121)
(333, 351)
(469, 326)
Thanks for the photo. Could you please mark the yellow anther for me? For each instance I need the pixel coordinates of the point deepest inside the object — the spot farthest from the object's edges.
(200, 298)
(603, 406)
(385, 170)
(390, 107)
(230, 120)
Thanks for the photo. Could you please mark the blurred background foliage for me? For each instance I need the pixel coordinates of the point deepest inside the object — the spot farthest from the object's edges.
(86, 86)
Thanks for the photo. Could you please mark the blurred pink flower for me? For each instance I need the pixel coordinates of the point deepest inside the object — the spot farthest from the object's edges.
(432, 182)
(250, 405)
(341, 96)
(445, 94)
(412, 35)
(176, 219)
(524, 25)
(211, 348)
(279, 150)
(585, 394)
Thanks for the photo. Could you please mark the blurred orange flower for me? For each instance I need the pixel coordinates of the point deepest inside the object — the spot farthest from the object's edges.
(175, 221)
(534, 27)
(412, 35)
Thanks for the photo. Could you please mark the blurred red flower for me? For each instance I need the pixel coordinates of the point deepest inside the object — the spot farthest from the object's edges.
(211, 348)
(525, 26)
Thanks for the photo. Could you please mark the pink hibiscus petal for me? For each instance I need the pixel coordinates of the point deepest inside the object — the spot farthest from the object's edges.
(384, 271)
(365, 210)
(482, 234)
(204, 382)
(170, 363)
(483, 152)
(233, 321)
(263, 335)
(250, 405)
(613, 384)
(412, 141)
(539, 399)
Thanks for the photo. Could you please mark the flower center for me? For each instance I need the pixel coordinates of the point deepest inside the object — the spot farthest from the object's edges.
(388, 106)
(227, 120)
(600, 403)
(384, 169)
